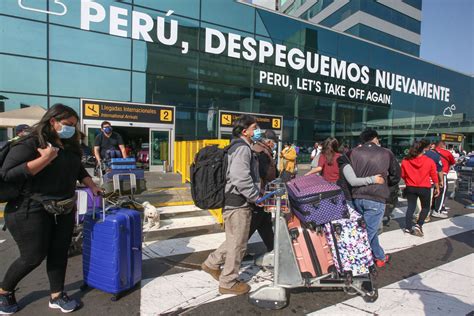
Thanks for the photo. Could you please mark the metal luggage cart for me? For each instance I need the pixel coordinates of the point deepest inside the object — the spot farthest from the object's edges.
(286, 273)
(465, 183)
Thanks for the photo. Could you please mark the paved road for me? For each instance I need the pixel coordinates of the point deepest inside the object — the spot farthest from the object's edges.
(432, 275)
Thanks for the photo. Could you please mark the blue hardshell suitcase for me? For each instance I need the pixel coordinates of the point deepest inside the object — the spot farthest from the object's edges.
(122, 163)
(112, 250)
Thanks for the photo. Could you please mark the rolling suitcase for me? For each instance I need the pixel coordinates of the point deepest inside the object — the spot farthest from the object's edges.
(350, 245)
(315, 201)
(112, 250)
(312, 251)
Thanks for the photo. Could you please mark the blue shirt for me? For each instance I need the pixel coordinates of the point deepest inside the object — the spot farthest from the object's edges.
(436, 158)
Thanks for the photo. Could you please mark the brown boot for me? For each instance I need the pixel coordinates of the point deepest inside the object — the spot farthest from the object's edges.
(238, 288)
(214, 273)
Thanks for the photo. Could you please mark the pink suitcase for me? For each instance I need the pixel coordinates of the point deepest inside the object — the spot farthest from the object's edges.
(316, 201)
(312, 251)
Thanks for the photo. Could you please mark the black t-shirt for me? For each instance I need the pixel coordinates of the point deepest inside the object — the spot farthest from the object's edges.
(108, 143)
(56, 181)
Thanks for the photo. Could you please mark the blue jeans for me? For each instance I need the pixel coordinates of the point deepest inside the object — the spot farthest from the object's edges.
(372, 212)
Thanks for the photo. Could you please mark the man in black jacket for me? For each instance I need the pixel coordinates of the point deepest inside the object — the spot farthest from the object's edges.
(368, 160)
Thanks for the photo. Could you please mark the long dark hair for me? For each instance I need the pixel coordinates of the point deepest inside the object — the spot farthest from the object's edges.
(330, 148)
(417, 148)
(46, 133)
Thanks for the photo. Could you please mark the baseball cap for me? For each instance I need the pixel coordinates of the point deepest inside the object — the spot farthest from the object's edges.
(20, 128)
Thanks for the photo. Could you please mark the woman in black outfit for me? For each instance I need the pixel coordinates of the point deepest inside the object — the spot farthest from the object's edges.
(46, 166)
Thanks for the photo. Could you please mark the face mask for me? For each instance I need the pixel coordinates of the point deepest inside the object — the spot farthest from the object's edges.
(66, 131)
(257, 135)
(108, 130)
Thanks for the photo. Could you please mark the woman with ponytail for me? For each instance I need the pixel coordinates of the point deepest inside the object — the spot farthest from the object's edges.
(418, 172)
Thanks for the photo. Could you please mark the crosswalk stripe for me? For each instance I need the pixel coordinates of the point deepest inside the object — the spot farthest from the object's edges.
(185, 245)
(2, 241)
(445, 290)
(186, 222)
(187, 289)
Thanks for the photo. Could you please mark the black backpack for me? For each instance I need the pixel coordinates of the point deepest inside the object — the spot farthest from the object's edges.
(208, 176)
(8, 191)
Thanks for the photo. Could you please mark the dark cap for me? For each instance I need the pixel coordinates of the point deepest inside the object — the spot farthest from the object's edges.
(271, 135)
(20, 128)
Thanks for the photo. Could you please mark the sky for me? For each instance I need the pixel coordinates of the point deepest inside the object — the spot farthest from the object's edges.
(447, 34)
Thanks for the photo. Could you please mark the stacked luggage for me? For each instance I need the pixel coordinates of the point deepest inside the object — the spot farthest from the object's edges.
(122, 176)
(328, 236)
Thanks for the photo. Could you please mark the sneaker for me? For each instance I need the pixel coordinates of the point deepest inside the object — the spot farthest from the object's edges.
(417, 231)
(8, 304)
(214, 273)
(381, 263)
(444, 212)
(407, 231)
(64, 303)
(439, 215)
(239, 288)
(447, 208)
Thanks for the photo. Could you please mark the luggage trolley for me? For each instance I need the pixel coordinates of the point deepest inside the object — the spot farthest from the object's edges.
(465, 181)
(286, 273)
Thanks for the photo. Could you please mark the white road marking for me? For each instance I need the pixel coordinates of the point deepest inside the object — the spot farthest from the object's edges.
(193, 288)
(445, 290)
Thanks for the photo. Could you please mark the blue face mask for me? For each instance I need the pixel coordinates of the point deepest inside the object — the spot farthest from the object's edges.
(257, 135)
(66, 131)
(108, 130)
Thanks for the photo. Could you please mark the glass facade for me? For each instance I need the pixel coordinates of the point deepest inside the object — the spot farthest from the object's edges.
(48, 58)
(375, 9)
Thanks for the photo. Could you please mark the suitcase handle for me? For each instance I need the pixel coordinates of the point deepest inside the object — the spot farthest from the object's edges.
(94, 207)
(133, 182)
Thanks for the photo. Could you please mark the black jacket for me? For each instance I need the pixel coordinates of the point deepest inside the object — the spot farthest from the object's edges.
(343, 161)
(370, 160)
(56, 181)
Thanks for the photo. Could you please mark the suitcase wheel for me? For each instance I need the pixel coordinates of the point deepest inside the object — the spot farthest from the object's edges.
(312, 226)
(338, 229)
(371, 297)
(115, 297)
(348, 278)
(319, 230)
(294, 233)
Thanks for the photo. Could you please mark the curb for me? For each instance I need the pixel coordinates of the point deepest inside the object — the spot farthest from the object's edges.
(181, 203)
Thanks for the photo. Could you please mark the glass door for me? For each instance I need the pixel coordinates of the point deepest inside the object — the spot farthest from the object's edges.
(159, 149)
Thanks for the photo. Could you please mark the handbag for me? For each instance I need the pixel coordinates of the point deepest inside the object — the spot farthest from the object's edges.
(56, 207)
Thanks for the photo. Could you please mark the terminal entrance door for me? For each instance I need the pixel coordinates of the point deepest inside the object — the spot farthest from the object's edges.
(159, 150)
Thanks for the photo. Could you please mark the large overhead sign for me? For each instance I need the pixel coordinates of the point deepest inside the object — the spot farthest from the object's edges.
(295, 69)
(127, 112)
(453, 138)
(264, 121)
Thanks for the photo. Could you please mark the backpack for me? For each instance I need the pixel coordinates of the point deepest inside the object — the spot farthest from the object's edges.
(8, 191)
(208, 176)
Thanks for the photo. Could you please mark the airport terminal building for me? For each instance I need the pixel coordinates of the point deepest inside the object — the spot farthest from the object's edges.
(167, 70)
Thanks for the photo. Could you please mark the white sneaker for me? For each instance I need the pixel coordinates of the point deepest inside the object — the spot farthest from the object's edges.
(439, 215)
